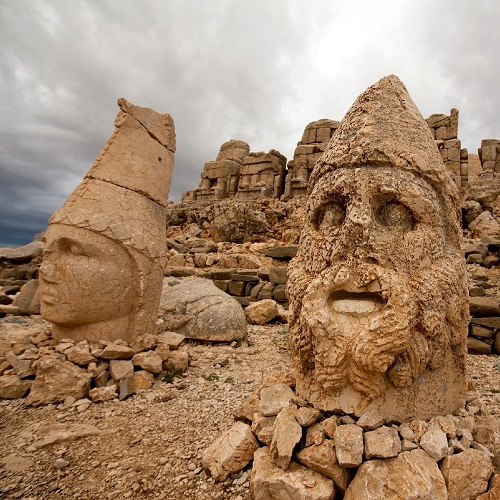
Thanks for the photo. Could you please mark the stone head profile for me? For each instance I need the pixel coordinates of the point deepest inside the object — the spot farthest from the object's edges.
(102, 270)
(377, 290)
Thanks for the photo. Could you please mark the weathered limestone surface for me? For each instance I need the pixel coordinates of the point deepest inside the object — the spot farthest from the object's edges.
(297, 482)
(413, 475)
(377, 291)
(286, 435)
(197, 309)
(230, 452)
(102, 271)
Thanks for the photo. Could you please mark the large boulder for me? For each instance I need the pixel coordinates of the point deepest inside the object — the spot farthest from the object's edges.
(23, 253)
(199, 310)
(56, 379)
(28, 299)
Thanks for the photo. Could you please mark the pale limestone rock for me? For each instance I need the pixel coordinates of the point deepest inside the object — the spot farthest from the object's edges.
(348, 441)
(117, 351)
(406, 432)
(307, 416)
(163, 351)
(22, 367)
(329, 426)
(419, 427)
(408, 445)
(263, 428)
(13, 387)
(274, 398)
(377, 290)
(143, 343)
(15, 463)
(171, 339)
(315, 434)
(445, 424)
(435, 443)
(101, 394)
(149, 361)
(197, 309)
(269, 482)
(383, 442)
(467, 474)
(261, 312)
(63, 433)
(487, 433)
(322, 459)
(413, 475)
(28, 298)
(56, 379)
(248, 408)
(371, 420)
(177, 361)
(287, 433)
(494, 492)
(484, 224)
(229, 453)
(102, 271)
(80, 354)
(121, 368)
(22, 253)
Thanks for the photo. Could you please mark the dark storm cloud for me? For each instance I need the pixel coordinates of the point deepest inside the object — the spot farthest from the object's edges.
(257, 71)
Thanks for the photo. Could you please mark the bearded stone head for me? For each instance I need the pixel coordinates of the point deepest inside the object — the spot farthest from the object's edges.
(377, 290)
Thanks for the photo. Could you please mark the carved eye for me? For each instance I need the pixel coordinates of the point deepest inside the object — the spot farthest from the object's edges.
(396, 216)
(329, 216)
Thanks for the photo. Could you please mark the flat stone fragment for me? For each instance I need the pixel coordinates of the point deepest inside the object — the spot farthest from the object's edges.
(274, 398)
(101, 394)
(13, 387)
(413, 475)
(307, 416)
(286, 435)
(149, 361)
(141, 380)
(143, 343)
(349, 445)
(117, 351)
(15, 463)
(269, 482)
(80, 355)
(322, 459)
(172, 339)
(229, 453)
(121, 368)
(261, 312)
(263, 427)
(467, 474)
(371, 420)
(63, 433)
(435, 443)
(56, 379)
(383, 442)
(177, 361)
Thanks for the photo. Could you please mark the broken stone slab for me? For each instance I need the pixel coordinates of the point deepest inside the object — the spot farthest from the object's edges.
(261, 312)
(306, 416)
(322, 459)
(484, 306)
(23, 253)
(274, 398)
(371, 420)
(28, 299)
(121, 368)
(117, 351)
(80, 354)
(171, 339)
(197, 309)
(149, 361)
(16, 463)
(101, 394)
(269, 482)
(281, 252)
(248, 408)
(286, 435)
(22, 367)
(478, 346)
(467, 474)
(63, 433)
(56, 379)
(349, 445)
(177, 361)
(263, 428)
(13, 387)
(231, 452)
(412, 475)
(383, 442)
(434, 442)
(143, 343)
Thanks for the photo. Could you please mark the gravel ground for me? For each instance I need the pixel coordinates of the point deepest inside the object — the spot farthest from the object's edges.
(152, 443)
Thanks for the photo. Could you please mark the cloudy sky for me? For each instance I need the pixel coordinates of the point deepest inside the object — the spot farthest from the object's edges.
(257, 70)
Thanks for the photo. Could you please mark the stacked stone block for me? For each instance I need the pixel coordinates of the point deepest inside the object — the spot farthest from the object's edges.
(489, 154)
(314, 141)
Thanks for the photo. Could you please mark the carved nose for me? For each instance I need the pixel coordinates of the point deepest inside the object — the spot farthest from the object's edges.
(49, 272)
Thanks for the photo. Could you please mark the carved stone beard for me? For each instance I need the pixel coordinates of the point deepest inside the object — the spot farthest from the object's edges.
(370, 327)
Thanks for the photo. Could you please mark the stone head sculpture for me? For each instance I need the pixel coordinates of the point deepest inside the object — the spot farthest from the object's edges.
(377, 290)
(102, 271)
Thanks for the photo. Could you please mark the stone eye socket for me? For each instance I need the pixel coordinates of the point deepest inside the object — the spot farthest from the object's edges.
(71, 247)
(395, 215)
(328, 216)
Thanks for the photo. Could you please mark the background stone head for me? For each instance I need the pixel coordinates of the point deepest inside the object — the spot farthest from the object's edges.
(102, 272)
(377, 290)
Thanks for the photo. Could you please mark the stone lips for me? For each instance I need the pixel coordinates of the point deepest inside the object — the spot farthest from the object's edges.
(383, 232)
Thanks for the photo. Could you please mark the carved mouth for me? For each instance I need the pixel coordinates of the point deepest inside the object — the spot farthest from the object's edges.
(356, 303)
